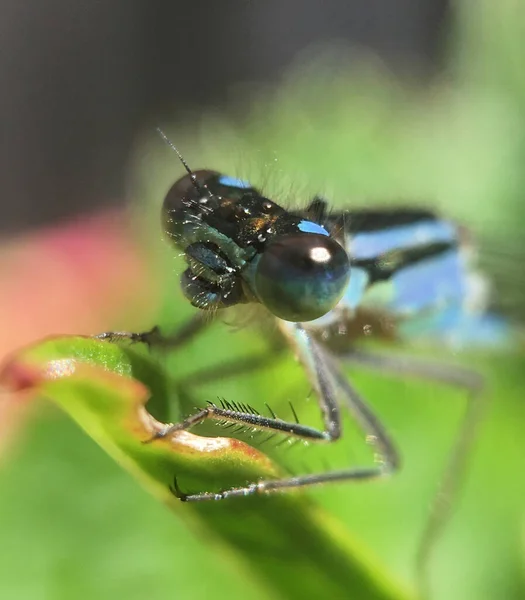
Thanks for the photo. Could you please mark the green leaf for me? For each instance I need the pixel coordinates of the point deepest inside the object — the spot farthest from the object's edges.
(287, 543)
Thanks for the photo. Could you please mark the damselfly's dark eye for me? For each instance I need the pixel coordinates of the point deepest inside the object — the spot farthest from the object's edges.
(184, 197)
(302, 277)
(184, 190)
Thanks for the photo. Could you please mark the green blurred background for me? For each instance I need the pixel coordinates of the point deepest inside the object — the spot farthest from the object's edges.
(73, 524)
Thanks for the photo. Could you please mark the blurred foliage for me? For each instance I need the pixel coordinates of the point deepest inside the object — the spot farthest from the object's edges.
(104, 388)
(73, 524)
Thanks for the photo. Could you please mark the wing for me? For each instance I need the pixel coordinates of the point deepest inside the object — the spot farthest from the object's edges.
(419, 271)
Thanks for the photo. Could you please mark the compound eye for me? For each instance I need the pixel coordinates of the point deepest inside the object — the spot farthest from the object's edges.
(178, 201)
(184, 190)
(301, 277)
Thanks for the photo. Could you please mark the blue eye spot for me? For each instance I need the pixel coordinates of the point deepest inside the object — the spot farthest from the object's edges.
(311, 227)
(234, 182)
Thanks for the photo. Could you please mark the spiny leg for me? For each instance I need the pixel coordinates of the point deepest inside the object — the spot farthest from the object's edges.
(326, 378)
(251, 418)
(472, 382)
(154, 338)
(246, 415)
(225, 370)
(377, 435)
(184, 334)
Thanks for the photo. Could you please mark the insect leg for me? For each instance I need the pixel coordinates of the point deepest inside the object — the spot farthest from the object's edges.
(154, 338)
(230, 412)
(243, 415)
(326, 379)
(454, 473)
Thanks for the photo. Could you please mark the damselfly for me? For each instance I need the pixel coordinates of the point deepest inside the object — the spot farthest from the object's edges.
(326, 277)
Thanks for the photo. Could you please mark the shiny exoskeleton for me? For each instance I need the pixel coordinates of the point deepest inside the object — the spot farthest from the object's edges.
(404, 273)
(242, 247)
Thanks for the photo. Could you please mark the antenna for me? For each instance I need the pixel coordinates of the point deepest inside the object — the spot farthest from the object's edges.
(202, 189)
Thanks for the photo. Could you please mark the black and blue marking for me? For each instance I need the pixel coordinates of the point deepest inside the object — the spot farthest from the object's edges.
(242, 247)
(405, 264)
(312, 271)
